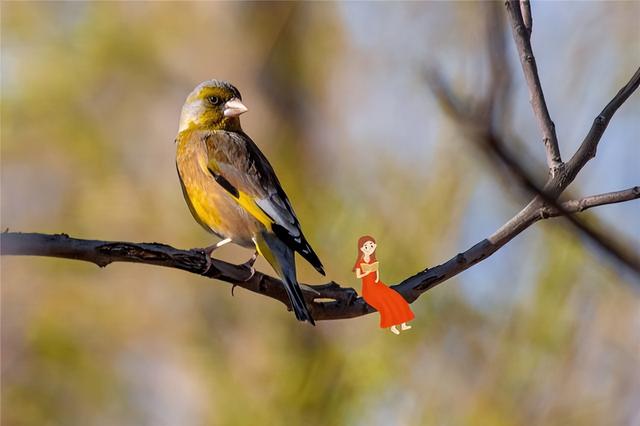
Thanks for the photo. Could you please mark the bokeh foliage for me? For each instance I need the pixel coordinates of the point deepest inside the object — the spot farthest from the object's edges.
(545, 332)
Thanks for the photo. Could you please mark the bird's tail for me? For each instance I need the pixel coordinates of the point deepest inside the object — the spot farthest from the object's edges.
(281, 258)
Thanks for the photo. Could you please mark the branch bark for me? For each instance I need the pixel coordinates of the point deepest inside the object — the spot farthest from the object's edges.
(343, 301)
(479, 129)
(525, 9)
(576, 206)
(521, 28)
(479, 126)
(589, 145)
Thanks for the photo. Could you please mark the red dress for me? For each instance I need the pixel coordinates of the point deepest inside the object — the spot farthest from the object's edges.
(394, 310)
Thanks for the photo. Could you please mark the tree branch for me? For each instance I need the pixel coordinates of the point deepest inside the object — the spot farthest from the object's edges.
(577, 206)
(589, 145)
(479, 126)
(525, 9)
(606, 240)
(482, 133)
(522, 36)
(343, 301)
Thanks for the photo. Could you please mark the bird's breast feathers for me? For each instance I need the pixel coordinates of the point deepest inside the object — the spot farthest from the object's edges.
(209, 202)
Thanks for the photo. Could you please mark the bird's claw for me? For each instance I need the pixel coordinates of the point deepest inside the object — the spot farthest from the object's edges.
(252, 271)
(207, 251)
(249, 264)
(209, 262)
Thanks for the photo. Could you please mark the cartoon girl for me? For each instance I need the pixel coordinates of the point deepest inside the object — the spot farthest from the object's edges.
(393, 309)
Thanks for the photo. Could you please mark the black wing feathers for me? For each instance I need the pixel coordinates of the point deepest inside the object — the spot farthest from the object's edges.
(223, 182)
(241, 164)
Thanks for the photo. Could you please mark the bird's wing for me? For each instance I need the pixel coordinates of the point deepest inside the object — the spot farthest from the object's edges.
(236, 164)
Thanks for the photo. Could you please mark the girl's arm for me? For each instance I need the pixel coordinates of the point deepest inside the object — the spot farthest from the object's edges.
(377, 275)
(359, 273)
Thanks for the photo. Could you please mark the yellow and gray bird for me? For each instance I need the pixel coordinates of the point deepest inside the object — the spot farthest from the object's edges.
(232, 190)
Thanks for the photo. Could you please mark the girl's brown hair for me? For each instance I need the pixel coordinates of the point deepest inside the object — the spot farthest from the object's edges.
(361, 242)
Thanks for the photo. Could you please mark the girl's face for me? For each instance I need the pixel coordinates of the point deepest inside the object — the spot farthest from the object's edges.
(368, 248)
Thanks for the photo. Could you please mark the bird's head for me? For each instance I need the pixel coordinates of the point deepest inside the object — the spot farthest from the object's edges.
(213, 105)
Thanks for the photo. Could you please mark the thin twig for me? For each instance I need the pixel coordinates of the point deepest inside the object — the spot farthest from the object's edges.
(589, 145)
(525, 9)
(577, 206)
(521, 36)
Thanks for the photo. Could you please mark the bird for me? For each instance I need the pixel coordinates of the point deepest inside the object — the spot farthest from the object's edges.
(232, 190)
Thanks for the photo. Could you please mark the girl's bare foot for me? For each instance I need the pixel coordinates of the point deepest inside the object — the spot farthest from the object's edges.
(405, 326)
(394, 330)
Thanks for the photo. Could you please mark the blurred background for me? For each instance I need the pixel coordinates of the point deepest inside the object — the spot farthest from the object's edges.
(546, 331)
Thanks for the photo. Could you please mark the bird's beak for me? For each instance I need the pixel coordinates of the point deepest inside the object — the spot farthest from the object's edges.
(234, 108)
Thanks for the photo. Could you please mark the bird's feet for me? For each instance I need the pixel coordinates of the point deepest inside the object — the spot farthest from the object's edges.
(207, 254)
(209, 250)
(394, 330)
(252, 271)
(404, 326)
(249, 264)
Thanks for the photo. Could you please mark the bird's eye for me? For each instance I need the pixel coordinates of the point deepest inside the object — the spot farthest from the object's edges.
(214, 100)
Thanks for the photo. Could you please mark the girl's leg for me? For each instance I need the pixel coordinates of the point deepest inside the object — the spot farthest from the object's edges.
(405, 326)
(394, 330)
